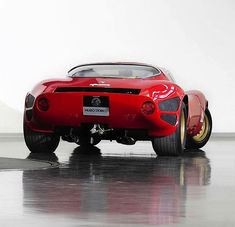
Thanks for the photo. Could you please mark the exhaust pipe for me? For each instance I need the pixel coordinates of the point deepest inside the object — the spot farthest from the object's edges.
(98, 129)
(126, 140)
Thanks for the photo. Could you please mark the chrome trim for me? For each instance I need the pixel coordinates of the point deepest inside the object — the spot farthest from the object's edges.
(99, 85)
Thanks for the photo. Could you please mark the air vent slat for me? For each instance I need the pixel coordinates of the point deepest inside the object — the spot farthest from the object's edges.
(96, 89)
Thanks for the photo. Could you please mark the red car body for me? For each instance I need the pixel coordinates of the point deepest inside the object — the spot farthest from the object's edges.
(57, 105)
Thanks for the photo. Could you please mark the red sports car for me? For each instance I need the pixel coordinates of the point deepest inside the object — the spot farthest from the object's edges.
(125, 102)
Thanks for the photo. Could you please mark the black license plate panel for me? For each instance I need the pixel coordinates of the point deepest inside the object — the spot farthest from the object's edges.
(96, 106)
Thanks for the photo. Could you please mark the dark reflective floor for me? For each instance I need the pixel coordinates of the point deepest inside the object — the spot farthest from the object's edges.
(116, 185)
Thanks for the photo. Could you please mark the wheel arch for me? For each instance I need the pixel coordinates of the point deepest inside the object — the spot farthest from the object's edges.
(185, 101)
(197, 104)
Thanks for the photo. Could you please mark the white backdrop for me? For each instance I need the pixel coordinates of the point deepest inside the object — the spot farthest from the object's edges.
(195, 39)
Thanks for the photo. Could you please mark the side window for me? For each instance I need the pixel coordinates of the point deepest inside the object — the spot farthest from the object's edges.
(168, 74)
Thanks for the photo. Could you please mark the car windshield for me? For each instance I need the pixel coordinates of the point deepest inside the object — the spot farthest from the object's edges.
(115, 71)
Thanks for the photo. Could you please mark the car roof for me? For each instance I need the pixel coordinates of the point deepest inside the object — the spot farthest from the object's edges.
(114, 63)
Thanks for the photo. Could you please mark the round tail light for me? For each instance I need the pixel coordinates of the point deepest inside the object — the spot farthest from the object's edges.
(43, 104)
(148, 108)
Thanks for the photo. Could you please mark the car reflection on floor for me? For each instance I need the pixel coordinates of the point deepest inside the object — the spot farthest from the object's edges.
(152, 190)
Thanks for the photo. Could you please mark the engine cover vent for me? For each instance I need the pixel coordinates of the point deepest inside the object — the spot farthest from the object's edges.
(99, 89)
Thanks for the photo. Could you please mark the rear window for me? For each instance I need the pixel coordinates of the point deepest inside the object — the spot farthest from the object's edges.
(115, 71)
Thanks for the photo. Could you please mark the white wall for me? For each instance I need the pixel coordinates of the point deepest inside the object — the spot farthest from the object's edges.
(11, 119)
(194, 39)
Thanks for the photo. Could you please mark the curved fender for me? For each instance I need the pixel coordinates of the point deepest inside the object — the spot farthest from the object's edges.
(197, 104)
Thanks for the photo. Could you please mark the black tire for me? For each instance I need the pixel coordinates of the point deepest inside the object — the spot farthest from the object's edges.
(40, 142)
(174, 144)
(199, 140)
(88, 140)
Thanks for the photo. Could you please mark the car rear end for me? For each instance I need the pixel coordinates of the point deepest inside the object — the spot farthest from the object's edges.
(108, 99)
(115, 109)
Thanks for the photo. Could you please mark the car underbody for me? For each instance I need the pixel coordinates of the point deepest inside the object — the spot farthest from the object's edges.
(91, 131)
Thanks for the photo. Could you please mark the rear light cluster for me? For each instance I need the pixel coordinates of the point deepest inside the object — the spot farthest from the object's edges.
(29, 114)
(29, 101)
(169, 118)
(169, 105)
(148, 108)
(43, 104)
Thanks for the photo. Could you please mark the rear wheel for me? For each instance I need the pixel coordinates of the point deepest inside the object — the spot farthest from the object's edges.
(38, 142)
(203, 136)
(174, 144)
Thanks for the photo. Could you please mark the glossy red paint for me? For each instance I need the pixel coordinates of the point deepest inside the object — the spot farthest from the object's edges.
(66, 108)
(197, 104)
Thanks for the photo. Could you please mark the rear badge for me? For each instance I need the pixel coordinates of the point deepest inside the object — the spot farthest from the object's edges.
(96, 102)
(95, 106)
(100, 85)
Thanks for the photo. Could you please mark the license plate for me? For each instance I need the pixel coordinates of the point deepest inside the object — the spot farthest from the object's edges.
(95, 106)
